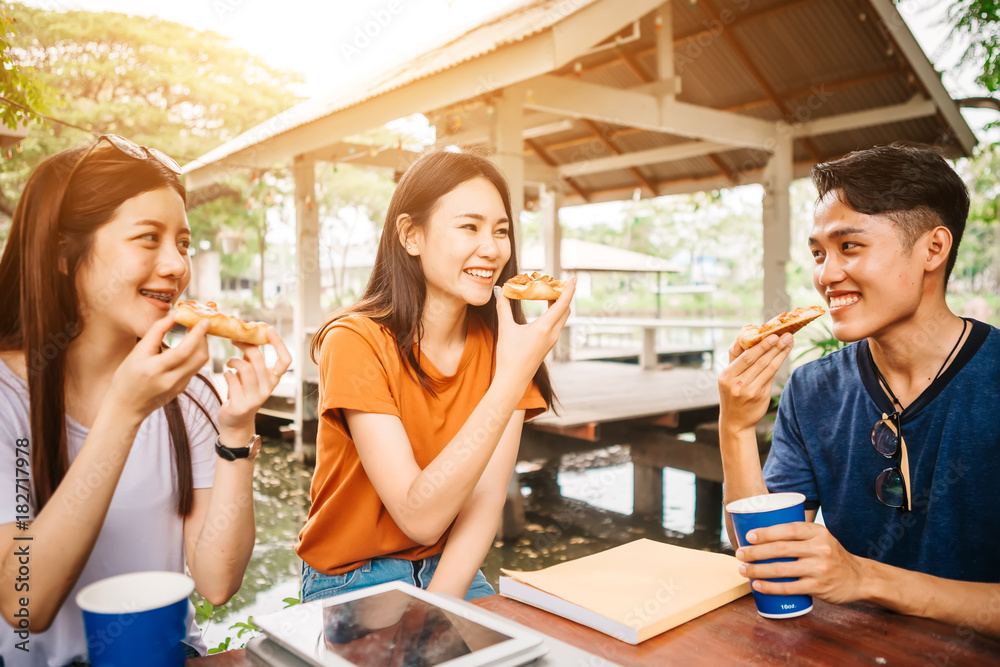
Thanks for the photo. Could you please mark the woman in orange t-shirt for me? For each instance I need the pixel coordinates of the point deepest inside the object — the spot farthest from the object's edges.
(424, 386)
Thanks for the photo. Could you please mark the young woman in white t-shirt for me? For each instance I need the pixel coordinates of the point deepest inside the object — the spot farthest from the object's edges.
(121, 430)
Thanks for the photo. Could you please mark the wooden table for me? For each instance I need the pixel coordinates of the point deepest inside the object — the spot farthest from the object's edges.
(854, 634)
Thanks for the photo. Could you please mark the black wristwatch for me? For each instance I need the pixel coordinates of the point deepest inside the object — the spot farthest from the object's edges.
(231, 453)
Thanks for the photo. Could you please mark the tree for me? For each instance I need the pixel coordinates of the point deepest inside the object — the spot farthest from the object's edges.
(978, 21)
(158, 83)
(22, 96)
(977, 266)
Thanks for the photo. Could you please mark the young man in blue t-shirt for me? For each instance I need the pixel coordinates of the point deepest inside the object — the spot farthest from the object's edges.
(913, 525)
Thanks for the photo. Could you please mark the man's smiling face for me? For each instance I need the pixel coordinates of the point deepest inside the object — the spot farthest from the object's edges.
(868, 277)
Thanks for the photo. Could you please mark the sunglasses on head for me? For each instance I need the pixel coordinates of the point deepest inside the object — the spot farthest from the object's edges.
(887, 439)
(133, 149)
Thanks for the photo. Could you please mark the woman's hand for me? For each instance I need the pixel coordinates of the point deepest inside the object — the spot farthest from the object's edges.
(745, 385)
(522, 347)
(250, 381)
(148, 379)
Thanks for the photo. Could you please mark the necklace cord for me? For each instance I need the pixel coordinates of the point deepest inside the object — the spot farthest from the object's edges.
(878, 373)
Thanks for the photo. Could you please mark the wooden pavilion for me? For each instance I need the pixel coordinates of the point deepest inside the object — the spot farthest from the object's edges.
(598, 100)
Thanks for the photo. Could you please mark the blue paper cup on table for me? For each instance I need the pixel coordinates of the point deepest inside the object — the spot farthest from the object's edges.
(136, 619)
(770, 510)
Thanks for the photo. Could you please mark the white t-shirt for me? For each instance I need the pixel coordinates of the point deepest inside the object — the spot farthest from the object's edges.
(142, 530)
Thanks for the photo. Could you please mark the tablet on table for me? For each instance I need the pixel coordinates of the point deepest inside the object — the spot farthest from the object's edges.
(397, 624)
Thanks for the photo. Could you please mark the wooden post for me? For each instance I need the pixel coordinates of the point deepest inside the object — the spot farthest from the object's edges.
(665, 49)
(307, 314)
(508, 142)
(777, 235)
(708, 506)
(647, 491)
(777, 227)
(648, 359)
(550, 198)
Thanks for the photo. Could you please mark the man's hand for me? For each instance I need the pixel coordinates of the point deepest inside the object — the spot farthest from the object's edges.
(824, 568)
(745, 385)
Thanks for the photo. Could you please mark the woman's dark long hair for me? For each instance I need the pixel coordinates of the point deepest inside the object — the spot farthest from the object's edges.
(66, 200)
(396, 291)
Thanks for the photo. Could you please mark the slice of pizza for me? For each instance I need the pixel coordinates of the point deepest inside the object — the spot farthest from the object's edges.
(189, 313)
(533, 287)
(789, 322)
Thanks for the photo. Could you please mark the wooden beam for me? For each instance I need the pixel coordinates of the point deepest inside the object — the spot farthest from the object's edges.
(904, 41)
(590, 432)
(616, 106)
(712, 11)
(638, 158)
(688, 185)
(710, 124)
(723, 169)
(544, 157)
(589, 124)
(361, 155)
(635, 67)
(822, 87)
(741, 19)
(580, 141)
(915, 108)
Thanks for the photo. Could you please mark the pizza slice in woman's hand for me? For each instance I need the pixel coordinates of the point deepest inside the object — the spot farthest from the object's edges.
(189, 313)
(533, 287)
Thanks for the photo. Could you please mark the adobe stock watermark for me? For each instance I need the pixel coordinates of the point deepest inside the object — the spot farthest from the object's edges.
(223, 8)
(436, 482)
(377, 21)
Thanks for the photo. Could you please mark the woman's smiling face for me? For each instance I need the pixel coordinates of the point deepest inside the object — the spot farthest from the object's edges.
(465, 243)
(138, 265)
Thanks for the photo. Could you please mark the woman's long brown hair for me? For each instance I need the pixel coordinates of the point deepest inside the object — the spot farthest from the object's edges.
(395, 293)
(66, 200)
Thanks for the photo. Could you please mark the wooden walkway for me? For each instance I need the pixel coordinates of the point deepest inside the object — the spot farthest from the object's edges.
(591, 393)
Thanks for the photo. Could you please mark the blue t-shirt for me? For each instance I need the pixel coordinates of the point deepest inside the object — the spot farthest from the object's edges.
(822, 448)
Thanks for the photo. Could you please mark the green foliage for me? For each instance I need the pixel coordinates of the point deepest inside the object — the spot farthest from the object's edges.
(221, 648)
(244, 627)
(158, 83)
(291, 602)
(823, 345)
(977, 266)
(978, 22)
(204, 611)
(24, 96)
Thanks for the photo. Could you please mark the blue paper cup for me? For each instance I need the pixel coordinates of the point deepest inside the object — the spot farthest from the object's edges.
(770, 510)
(136, 619)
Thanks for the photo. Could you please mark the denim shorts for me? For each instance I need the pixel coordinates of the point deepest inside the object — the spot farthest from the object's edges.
(316, 585)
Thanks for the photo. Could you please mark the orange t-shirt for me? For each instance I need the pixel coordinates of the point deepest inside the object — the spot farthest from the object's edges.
(359, 369)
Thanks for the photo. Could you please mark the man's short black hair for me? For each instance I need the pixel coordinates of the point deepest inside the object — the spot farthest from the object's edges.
(912, 185)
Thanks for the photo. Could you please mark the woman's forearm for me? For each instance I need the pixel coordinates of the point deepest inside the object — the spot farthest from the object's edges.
(438, 492)
(225, 540)
(469, 541)
(77, 508)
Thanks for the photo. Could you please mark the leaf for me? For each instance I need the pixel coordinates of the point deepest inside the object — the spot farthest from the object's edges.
(204, 611)
(291, 602)
(224, 646)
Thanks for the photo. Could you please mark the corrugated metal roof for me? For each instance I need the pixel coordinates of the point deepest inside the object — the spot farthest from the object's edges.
(527, 18)
(771, 61)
